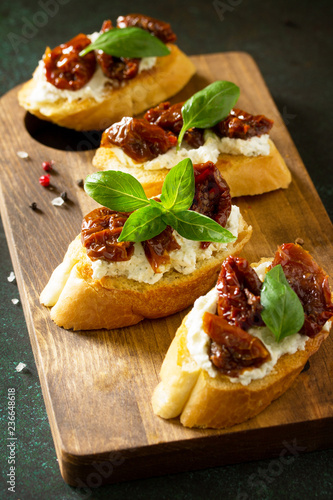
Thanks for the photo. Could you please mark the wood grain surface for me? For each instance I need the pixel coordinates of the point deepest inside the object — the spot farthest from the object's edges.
(97, 385)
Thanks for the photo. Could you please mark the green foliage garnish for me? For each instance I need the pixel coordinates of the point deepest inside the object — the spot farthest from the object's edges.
(209, 106)
(123, 189)
(178, 192)
(122, 192)
(283, 312)
(198, 227)
(145, 223)
(128, 42)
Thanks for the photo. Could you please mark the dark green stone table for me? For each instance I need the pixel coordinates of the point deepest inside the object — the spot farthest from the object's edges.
(292, 44)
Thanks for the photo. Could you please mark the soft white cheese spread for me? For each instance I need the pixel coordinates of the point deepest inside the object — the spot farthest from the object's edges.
(45, 92)
(184, 260)
(209, 151)
(198, 341)
(147, 63)
(250, 147)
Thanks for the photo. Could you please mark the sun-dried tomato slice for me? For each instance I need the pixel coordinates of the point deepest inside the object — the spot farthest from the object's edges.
(99, 234)
(160, 29)
(242, 125)
(157, 249)
(166, 116)
(139, 139)
(170, 118)
(106, 26)
(232, 349)
(239, 289)
(65, 69)
(118, 68)
(310, 283)
(212, 194)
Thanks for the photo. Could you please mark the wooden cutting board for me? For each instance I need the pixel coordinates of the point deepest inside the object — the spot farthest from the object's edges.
(97, 385)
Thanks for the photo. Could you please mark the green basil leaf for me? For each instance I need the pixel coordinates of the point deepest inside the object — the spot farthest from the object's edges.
(128, 42)
(179, 188)
(156, 204)
(283, 312)
(116, 190)
(198, 227)
(143, 224)
(209, 106)
(170, 219)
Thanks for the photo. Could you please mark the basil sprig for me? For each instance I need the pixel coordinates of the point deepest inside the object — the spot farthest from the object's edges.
(209, 106)
(128, 42)
(283, 312)
(119, 189)
(122, 192)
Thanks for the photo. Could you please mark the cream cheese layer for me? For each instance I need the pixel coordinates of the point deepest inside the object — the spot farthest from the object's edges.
(198, 341)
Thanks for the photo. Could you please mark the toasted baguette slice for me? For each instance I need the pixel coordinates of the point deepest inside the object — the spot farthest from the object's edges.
(83, 303)
(170, 74)
(245, 175)
(188, 391)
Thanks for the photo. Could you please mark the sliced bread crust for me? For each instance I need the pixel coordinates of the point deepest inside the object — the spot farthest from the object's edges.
(189, 392)
(170, 74)
(245, 175)
(82, 303)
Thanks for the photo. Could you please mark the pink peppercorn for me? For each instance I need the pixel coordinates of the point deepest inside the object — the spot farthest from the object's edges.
(44, 180)
(47, 166)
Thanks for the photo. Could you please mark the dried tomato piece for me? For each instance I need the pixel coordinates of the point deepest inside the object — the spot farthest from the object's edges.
(232, 349)
(212, 194)
(170, 118)
(106, 26)
(242, 125)
(118, 68)
(65, 69)
(157, 249)
(166, 116)
(160, 29)
(99, 234)
(309, 282)
(194, 137)
(239, 289)
(138, 138)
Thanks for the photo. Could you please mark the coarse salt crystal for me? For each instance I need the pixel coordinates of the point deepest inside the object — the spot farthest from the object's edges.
(20, 367)
(11, 277)
(57, 202)
(15, 301)
(22, 154)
